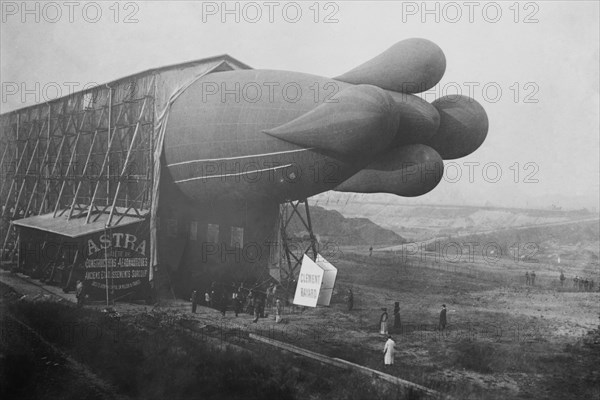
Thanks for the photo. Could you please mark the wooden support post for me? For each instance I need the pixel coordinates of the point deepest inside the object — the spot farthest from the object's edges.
(127, 159)
(33, 153)
(85, 168)
(73, 151)
(60, 148)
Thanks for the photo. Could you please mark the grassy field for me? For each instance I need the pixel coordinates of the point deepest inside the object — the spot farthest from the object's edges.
(504, 340)
(55, 351)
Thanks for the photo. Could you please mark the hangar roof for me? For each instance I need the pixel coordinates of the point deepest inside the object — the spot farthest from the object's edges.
(223, 57)
(74, 227)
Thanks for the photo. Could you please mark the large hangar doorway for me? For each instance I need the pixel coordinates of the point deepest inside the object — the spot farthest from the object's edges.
(213, 242)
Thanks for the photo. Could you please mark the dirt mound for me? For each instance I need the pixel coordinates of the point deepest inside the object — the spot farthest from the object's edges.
(331, 226)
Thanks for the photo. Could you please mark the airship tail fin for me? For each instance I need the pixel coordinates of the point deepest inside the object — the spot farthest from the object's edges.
(406, 171)
(359, 120)
(410, 66)
(463, 127)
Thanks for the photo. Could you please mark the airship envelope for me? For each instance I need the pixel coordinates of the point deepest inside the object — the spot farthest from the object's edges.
(282, 135)
(359, 120)
(463, 126)
(419, 120)
(407, 171)
(410, 66)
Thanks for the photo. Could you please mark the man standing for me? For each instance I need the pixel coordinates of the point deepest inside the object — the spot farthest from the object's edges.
(261, 310)
(527, 278)
(194, 301)
(350, 300)
(257, 307)
(79, 293)
(270, 296)
(532, 278)
(223, 302)
(442, 324)
(278, 311)
(396, 316)
(370, 251)
(212, 298)
(562, 279)
(236, 302)
(388, 351)
(250, 300)
(383, 322)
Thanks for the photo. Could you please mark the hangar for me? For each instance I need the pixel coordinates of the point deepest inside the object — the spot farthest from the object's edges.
(85, 195)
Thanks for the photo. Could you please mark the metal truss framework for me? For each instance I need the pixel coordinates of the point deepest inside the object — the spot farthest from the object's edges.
(287, 213)
(81, 156)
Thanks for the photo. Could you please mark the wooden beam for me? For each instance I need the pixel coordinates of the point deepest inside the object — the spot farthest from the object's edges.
(58, 157)
(127, 159)
(64, 181)
(85, 168)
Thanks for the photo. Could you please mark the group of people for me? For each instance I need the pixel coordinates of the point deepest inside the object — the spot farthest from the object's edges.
(389, 347)
(579, 283)
(530, 278)
(583, 284)
(251, 301)
(383, 320)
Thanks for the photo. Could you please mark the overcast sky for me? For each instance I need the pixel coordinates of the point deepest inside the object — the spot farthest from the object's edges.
(543, 56)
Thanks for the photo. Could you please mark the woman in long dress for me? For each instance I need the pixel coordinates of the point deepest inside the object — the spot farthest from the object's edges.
(388, 351)
(383, 322)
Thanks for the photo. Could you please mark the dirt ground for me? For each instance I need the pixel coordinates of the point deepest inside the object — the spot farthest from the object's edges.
(504, 339)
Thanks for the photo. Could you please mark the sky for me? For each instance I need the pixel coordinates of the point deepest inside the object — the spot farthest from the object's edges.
(533, 66)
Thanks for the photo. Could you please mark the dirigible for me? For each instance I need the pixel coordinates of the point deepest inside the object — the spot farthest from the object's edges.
(279, 135)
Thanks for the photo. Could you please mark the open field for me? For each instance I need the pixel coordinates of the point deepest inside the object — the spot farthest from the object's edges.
(504, 339)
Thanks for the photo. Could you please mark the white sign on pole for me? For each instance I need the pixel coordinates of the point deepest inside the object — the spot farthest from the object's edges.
(315, 282)
(309, 283)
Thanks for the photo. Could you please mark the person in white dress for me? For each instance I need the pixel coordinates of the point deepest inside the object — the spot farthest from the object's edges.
(383, 322)
(388, 351)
